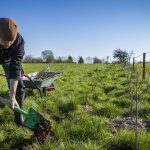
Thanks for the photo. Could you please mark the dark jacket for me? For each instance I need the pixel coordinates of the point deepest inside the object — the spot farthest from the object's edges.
(13, 57)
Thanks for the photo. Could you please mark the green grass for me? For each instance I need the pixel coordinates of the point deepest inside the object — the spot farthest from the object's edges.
(125, 140)
(65, 106)
(122, 102)
(103, 89)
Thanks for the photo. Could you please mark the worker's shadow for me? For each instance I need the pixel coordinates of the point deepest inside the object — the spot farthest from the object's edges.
(17, 143)
(32, 93)
(5, 95)
(29, 92)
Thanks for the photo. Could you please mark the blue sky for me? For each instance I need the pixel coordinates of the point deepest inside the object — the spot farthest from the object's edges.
(81, 27)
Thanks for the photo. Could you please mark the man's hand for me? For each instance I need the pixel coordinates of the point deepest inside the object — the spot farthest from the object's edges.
(14, 103)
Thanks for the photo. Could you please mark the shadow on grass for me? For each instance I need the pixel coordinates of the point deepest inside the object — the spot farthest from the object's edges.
(19, 143)
(29, 92)
(5, 95)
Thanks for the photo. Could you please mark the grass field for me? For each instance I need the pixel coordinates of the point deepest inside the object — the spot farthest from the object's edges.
(88, 99)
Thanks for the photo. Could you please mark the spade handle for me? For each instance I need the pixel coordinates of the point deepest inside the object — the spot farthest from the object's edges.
(21, 111)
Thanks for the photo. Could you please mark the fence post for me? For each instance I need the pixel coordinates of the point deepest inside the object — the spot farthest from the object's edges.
(137, 102)
(133, 63)
(144, 56)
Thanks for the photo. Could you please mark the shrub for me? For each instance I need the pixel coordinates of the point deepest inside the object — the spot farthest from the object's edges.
(87, 128)
(107, 109)
(123, 103)
(108, 88)
(125, 140)
(66, 106)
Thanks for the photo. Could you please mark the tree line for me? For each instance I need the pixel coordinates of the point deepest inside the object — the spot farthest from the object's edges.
(47, 56)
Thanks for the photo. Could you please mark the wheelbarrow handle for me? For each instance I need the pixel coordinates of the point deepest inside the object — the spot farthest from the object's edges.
(26, 75)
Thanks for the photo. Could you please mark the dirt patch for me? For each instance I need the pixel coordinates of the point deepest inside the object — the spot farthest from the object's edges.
(42, 131)
(129, 123)
(87, 108)
(24, 144)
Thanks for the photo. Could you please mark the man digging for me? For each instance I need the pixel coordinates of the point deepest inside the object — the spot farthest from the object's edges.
(11, 55)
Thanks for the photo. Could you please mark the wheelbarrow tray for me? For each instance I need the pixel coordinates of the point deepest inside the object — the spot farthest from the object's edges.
(40, 83)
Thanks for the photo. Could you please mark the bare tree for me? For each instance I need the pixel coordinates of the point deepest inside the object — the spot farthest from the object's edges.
(28, 58)
(97, 60)
(121, 55)
(89, 60)
(58, 60)
(47, 56)
(38, 60)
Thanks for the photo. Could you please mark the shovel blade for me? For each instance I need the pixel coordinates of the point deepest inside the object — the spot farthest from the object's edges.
(32, 119)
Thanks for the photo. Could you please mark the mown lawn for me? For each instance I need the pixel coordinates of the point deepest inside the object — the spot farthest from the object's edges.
(86, 98)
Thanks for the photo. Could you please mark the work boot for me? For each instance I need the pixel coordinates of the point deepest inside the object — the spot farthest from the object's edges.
(19, 119)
